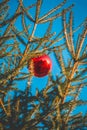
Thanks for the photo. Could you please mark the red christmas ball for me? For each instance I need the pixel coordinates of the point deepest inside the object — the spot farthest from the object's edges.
(40, 66)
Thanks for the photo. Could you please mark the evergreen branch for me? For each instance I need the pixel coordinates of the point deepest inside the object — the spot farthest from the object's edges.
(24, 25)
(60, 91)
(56, 48)
(52, 11)
(61, 60)
(32, 35)
(10, 20)
(78, 78)
(14, 30)
(70, 35)
(78, 42)
(30, 6)
(27, 8)
(10, 24)
(37, 10)
(21, 33)
(55, 16)
(22, 77)
(81, 43)
(26, 12)
(57, 39)
(7, 37)
(6, 112)
(8, 53)
(70, 78)
(50, 19)
(2, 14)
(49, 28)
(73, 70)
(83, 62)
(3, 3)
(5, 55)
(27, 47)
(82, 58)
(15, 71)
(2, 9)
(28, 15)
(73, 105)
(65, 32)
(41, 119)
(78, 121)
(44, 41)
(9, 107)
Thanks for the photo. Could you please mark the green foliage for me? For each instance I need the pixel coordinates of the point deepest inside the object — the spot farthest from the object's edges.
(49, 108)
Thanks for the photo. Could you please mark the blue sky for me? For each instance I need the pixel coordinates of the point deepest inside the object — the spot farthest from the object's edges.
(79, 13)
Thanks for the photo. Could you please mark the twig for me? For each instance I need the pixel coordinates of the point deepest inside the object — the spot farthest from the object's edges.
(70, 109)
(4, 108)
(69, 81)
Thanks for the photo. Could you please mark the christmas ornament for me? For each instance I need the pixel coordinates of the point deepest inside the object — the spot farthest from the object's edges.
(40, 65)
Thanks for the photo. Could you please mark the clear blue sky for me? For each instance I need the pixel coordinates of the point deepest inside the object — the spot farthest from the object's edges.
(79, 12)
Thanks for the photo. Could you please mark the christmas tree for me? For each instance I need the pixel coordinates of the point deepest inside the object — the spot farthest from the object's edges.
(28, 45)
